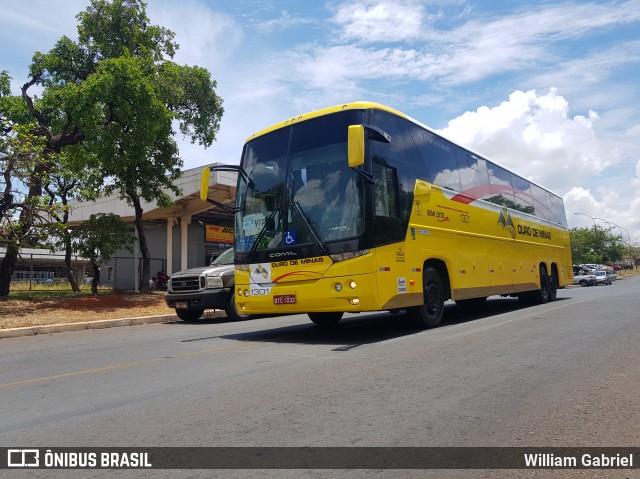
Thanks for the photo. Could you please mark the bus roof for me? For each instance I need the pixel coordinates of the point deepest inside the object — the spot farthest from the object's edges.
(356, 105)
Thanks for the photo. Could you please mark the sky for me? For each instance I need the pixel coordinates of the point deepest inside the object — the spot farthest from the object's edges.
(548, 89)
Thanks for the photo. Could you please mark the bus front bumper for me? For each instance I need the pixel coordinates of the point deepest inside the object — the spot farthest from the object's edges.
(354, 294)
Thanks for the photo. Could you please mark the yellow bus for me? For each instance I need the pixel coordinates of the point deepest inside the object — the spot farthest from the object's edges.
(359, 207)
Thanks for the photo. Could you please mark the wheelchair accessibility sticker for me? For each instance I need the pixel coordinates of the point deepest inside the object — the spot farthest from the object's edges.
(290, 237)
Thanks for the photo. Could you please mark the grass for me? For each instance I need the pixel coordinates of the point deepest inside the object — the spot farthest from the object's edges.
(21, 290)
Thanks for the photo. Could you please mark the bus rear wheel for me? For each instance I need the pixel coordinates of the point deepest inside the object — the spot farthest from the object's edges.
(429, 314)
(325, 320)
(553, 286)
(542, 295)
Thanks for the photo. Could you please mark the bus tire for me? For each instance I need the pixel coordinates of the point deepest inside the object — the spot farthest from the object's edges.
(325, 320)
(189, 314)
(429, 314)
(541, 296)
(553, 287)
(232, 310)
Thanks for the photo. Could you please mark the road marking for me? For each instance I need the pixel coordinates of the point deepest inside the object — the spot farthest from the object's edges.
(144, 362)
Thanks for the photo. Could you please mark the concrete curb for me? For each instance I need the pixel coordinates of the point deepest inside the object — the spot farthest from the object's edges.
(102, 324)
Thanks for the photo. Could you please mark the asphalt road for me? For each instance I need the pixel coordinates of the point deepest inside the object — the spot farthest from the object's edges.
(562, 374)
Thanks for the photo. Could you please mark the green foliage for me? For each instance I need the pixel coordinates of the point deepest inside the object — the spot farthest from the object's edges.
(129, 130)
(595, 245)
(121, 27)
(5, 83)
(106, 114)
(101, 236)
(23, 218)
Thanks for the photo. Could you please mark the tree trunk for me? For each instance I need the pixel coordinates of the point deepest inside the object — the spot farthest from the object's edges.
(26, 222)
(73, 281)
(145, 287)
(6, 268)
(96, 279)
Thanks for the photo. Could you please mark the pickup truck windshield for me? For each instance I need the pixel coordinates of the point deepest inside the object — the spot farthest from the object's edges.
(225, 258)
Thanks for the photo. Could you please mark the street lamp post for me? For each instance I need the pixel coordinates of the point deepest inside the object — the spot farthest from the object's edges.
(595, 230)
(592, 219)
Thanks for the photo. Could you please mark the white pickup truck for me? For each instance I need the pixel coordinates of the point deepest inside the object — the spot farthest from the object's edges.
(193, 290)
(585, 279)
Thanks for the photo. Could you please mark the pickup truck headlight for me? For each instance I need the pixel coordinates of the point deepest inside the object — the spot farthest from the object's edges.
(214, 282)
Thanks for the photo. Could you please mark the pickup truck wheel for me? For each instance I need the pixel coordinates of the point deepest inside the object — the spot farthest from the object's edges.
(189, 314)
(232, 309)
(325, 320)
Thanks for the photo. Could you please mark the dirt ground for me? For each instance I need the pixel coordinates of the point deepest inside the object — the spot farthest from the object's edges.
(17, 313)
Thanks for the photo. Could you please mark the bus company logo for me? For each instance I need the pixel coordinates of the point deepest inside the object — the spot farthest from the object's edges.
(23, 458)
(261, 271)
(507, 223)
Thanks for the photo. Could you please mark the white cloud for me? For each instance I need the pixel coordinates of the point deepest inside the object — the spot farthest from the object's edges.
(480, 48)
(535, 136)
(284, 21)
(380, 21)
(210, 41)
(592, 69)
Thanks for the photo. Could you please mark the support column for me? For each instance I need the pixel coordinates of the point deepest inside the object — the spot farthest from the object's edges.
(185, 221)
(169, 268)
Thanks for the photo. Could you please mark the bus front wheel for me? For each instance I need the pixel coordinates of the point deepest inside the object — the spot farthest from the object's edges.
(429, 314)
(325, 320)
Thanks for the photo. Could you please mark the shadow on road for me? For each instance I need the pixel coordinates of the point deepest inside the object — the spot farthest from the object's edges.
(358, 330)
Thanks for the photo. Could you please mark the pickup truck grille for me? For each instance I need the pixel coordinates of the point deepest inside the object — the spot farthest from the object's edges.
(183, 284)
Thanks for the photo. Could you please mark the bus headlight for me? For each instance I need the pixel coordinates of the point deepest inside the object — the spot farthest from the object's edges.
(338, 287)
(352, 285)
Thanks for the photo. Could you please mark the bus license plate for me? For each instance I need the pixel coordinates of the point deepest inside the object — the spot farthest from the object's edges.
(182, 305)
(284, 299)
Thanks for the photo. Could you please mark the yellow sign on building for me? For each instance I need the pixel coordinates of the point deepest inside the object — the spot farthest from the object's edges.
(219, 234)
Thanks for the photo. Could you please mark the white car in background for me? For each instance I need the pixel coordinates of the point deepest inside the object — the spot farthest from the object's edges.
(602, 277)
(612, 275)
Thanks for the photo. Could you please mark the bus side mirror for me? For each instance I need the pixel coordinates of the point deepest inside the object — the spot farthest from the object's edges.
(355, 145)
(204, 184)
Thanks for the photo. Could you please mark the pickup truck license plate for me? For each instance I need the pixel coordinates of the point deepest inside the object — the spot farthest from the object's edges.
(182, 305)
(284, 299)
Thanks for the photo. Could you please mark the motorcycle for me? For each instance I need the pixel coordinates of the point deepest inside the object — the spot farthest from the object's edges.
(160, 281)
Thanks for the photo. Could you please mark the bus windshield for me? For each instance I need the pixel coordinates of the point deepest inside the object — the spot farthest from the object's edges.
(299, 187)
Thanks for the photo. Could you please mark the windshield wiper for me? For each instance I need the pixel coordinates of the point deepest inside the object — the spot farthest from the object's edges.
(312, 231)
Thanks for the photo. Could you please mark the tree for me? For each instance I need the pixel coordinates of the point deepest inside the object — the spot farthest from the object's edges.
(595, 245)
(23, 218)
(69, 179)
(98, 239)
(116, 93)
